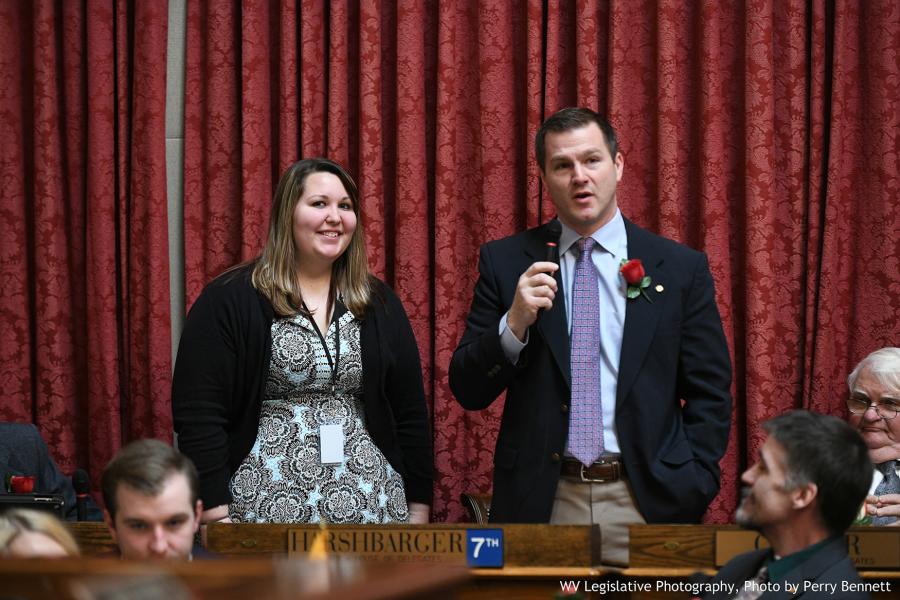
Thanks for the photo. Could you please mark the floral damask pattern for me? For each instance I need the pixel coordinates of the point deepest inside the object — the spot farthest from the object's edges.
(742, 136)
(765, 133)
(283, 479)
(85, 348)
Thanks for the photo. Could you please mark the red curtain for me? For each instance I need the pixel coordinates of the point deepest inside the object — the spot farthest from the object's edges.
(85, 350)
(764, 133)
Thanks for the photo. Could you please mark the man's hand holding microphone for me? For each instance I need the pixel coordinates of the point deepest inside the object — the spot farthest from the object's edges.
(537, 287)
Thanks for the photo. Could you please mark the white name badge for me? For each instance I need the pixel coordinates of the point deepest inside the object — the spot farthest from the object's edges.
(331, 444)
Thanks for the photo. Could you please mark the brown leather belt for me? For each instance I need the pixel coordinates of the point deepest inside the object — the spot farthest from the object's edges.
(602, 471)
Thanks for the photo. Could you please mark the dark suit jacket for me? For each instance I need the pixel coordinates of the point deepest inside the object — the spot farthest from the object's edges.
(672, 349)
(24, 452)
(829, 565)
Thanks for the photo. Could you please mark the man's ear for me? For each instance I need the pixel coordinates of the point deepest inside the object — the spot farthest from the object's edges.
(107, 518)
(804, 495)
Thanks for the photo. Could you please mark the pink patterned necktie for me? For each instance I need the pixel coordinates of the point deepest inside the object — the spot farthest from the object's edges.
(585, 417)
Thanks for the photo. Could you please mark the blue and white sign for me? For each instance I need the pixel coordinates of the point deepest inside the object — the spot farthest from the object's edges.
(484, 547)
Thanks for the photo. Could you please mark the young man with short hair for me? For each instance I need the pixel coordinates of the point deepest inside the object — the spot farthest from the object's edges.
(152, 501)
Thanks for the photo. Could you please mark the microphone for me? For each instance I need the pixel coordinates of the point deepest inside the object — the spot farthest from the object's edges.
(552, 231)
(81, 481)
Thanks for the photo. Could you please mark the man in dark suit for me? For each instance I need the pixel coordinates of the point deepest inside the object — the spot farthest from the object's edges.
(807, 487)
(618, 404)
(24, 452)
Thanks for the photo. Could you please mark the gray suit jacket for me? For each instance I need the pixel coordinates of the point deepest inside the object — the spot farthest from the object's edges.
(829, 565)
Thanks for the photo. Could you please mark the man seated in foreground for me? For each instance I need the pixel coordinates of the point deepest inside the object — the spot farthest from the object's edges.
(873, 402)
(152, 501)
(805, 489)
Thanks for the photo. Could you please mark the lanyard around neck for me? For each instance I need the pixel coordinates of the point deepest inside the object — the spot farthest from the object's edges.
(332, 364)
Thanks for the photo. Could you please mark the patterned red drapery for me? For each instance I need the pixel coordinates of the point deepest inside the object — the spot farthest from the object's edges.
(85, 350)
(763, 133)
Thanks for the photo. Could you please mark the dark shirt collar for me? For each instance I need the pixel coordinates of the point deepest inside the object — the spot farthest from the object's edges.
(780, 567)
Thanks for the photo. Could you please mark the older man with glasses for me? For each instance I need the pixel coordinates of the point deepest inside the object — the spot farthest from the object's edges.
(873, 403)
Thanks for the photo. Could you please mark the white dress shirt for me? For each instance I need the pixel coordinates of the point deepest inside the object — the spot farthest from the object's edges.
(610, 249)
(877, 478)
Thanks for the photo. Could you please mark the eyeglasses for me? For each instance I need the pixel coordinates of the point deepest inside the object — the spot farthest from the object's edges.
(886, 409)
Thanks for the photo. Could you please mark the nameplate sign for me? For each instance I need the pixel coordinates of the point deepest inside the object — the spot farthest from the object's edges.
(509, 545)
(731, 543)
(380, 544)
(867, 549)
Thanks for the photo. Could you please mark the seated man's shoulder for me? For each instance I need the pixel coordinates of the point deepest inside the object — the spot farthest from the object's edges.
(22, 439)
(18, 430)
(843, 573)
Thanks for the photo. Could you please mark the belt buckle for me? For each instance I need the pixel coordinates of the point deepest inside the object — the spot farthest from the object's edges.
(593, 479)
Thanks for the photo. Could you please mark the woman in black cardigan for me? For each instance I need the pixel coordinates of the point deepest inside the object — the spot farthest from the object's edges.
(298, 388)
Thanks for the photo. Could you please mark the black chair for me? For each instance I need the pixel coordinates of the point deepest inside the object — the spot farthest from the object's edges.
(478, 506)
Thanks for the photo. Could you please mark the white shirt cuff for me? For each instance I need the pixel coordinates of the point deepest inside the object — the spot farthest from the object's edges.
(511, 345)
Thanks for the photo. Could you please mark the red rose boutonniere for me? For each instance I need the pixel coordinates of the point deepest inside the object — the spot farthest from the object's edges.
(638, 282)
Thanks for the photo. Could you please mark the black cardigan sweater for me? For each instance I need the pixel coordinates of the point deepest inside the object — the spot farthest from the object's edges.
(222, 367)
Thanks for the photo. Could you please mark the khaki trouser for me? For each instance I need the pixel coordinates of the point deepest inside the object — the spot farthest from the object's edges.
(609, 505)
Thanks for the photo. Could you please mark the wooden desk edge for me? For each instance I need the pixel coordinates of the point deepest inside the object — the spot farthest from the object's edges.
(540, 572)
(657, 572)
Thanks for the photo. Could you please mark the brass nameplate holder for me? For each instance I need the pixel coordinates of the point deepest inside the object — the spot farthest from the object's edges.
(867, 549)
(379, 544)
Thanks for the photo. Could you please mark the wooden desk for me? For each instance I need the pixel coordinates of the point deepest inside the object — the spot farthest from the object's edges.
(564, 546)
(673, 551)
(93, 538)
(226, 579)
(705, 546)
(538, 557)
(524, 545)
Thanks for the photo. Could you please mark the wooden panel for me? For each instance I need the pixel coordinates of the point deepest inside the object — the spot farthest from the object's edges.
(728, 544)
(93, 538)
(524, 545)
(673, 546)
(709, 546)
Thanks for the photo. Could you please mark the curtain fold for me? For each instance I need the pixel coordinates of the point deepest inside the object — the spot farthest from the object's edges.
(857, 277)
(764, 133)
(84, 323)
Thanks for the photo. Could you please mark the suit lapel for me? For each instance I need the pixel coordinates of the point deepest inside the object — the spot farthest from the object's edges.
(552, 324)
(811, 569)
(641, 316)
